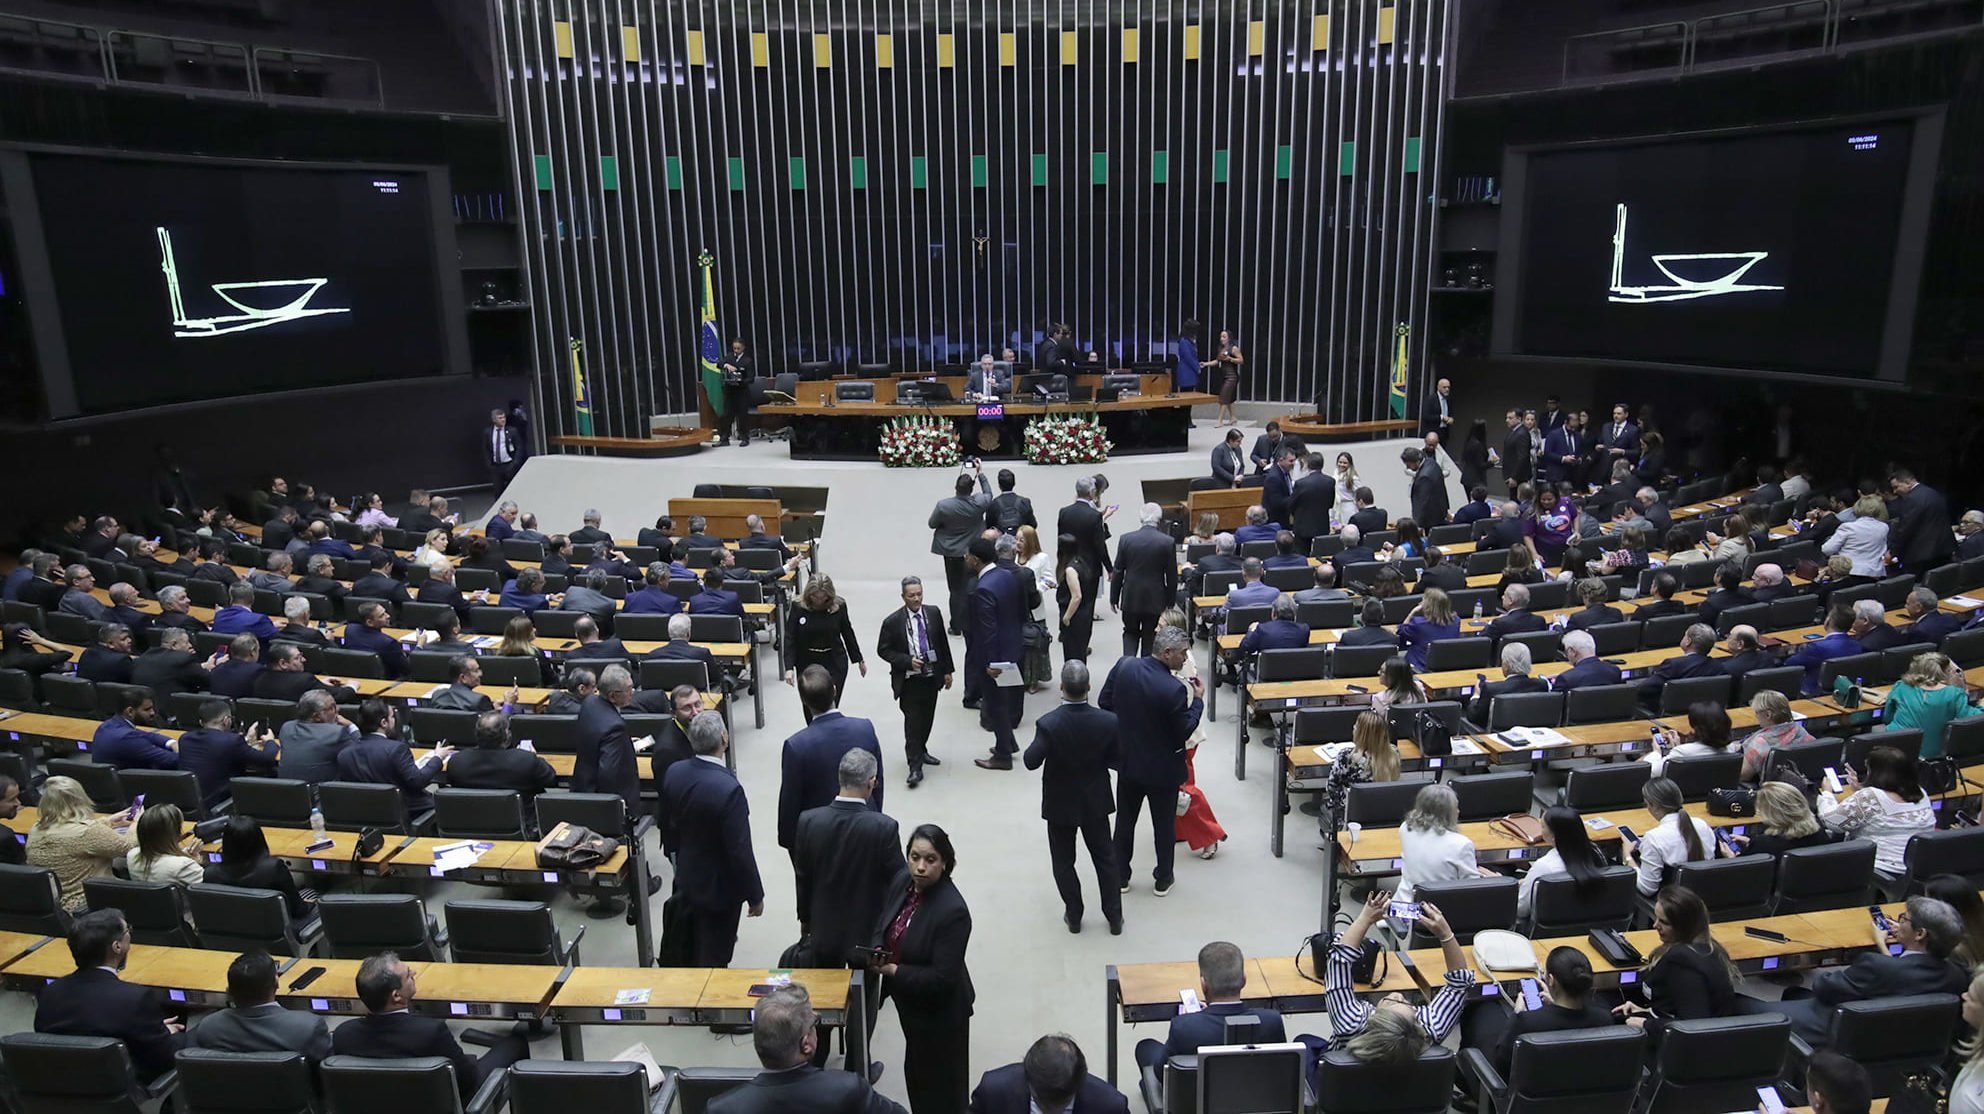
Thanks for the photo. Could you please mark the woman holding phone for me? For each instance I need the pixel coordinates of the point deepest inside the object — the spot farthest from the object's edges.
(920, 944)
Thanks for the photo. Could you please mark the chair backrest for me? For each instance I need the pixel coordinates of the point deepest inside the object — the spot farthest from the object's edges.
(1405, 718)
(17, 691)
(557, 624)
(605, 813)
(662, 673)
(1697, 774)
(560, 1086)
(1965, 647)
(1254, 1079)
(353, 806)
(479, 814)
(274, 801)
(501, 669)
(1867, 667)
(1483, 562)
(423, 616)
(1829, 876)
(1526, 709)
(358, 925)
(1544, 645)
(1321, 614)
(1261, 549)
(1296, 663)
(1238, 619)
(1953, 851)
(237, 918)
(424, 1083)
(1810, 759)
(1733, 889)
(1459, 653)
(1717, 1063)
(70, 1075)
(31, 901)
(97, 779)
(644, 627)
(1577, 1070)
(1666, 631)
(1550, 595)
(1486, 796)
(434, 726)
(1963, 740)
(165, 787)
(1749, 614)
(1613, 639)
(1907, 740)
(69, 696)
(1380, 804)
(1678, 696)
(715, 628)
(1785, 679)
(1894, 1037)
(156, 911)
(695, 1087)
(1347, 1085)
(250, 710)
(1331, 725)
(1612, 785)
(1289, 578)
(547, 734)
(503, 932)
(491, 620)
(1360, 661)
(362, 664)
(1601, 703)
(1398, 607)
(1470, 905)
(212, 1082)
(1464, 600)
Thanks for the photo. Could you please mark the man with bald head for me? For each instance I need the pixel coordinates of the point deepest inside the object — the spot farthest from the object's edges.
(1146, 580)
(1746, 651)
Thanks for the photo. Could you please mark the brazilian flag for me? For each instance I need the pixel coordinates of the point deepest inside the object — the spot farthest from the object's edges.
(581, 397)
(711, 341)
(1404, 333)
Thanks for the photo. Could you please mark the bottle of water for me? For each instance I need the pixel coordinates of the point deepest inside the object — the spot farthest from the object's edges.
(316, 824)
(1477, 610)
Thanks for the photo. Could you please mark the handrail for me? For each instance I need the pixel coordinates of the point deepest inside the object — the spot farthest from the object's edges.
(1686, 37)
(111, 36)
(378, 76)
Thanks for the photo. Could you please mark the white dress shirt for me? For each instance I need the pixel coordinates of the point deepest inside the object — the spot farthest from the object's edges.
(1666, 845)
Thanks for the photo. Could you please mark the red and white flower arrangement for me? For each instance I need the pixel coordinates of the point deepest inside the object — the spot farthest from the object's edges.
(920, 441)
(1074, 439)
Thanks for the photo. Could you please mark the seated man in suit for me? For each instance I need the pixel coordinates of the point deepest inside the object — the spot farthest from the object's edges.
(208, 565)
(579, 683)
(390, 1031)
(78, 600)
(1665, 584)
(1516, 664)
(92, 1001)
(257, 1022)
(378, 756)
(1587, 668)
(1596, 611)
(109, 661)
(440, 588)
(1746, 651)
(653, 597)
(502, 524)
(460, 695)
(320, 579)
(1871, 627)
(715, 599)
(1693, 661)
(311, 742)
(1279, 632)
(1371, 629)
(240, 616)
(1927, 622)
(123, 740)
(527, 591)
(1258, 528)
(1441, 573)
(591, 647)
(1729, 592)
(679, 648)
(1354, 551)
(1516, 618)
(1928, 932)
(527, 530)
(235, 677)
(323, 544)
(1368, 518)
(1476, 508)
(296, 625)
(494, 762)
(1325, 588)
(124, 607)
(379, 583)
(170, 667)
(369, 634)
(1223, 558)
(698, 536)
(217, 754)
(1222, 977)
(448, 635)
(784, 1033)
(1837, 642)
(1767, 584)
(1504, 531)
(1053, 1079)
(587, 534)
(1286, 555)
(589, 596)
(988, 379)
(1252, 591)
(371, 546)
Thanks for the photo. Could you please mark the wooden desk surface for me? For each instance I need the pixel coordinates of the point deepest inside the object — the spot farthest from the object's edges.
(485, 982)
(1376, 844)
(13, 945)
(291, 844)
(564, 764)
(64, 727)
(1159, 983)
(728, 988)
(720, 650)
(967, 410)
(668, 987)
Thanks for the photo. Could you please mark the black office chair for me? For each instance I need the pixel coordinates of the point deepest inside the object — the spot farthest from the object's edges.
(424, 616)
(519, 932)
(1696, 774)
(435, 727)
(1733, 889)
(666, 674)
(1829, 876)
(1360, 661)
(1578, 1071)
(272, 801)
(358, 925)
(1381, 804)
(68, 695)
(1613, 639)
(1749, 614)
(1677, 696)
(1856, 667)
(1788, 680)
(1907, 740)
(354, 1085)
(561, 1086)
(238, 919)
(696, 1087)
(557, 624)
(1459, 653)
(1525, 709)
(97, 779)
(1611, 785)
(1332, 614)
(715, 628)
(1965, 647)
(643, 628)
(212, 1082)
(17, 691)
(1963, 740)
(1893, 1038)
(1953, 851)
(340, 662)
(1601, 704)
(1544, 645)
(48, 1074)
(1716, 1063)
(156, 911)
(1295, 663)
(31, 901)
(605, 813)
(1332, 725)
(1487, 796)
(503, 669)
(250, 710)
(165, 787)
(547, 734)
(1347, 1085)
(1665, 632)
(1470, 906)
(491, 620)
(353, 806)
(1810, 759)
(1557, 908)
(1238, 619)
(523, 549)
(480, 814)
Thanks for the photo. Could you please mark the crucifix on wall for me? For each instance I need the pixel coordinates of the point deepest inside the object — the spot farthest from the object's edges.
(981, 240)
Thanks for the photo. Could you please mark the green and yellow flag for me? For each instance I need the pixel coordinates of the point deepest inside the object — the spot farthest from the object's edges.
(710, 341)
(581, 397)
(1404, 333)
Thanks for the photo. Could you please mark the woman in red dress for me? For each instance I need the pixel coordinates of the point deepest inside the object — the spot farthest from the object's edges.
(1196, 825)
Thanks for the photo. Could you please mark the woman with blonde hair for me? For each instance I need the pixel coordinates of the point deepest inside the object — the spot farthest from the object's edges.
(72, 841)
(1967, 1090)
(1928, 697)
(1372, 756)
(1206, 529)
(520, 641)
(1038, 665)
(1196, 825)
(1784, 823)
(1775, 728)
(433, 551)
(1864, 539)
(820, 632)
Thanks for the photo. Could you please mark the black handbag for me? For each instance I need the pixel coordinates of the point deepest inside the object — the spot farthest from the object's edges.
(1937, 776)
(1431, 734)
(1034, 635)
(1732, 802)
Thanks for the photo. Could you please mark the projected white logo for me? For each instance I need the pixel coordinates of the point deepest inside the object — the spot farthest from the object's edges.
(1711, 274)
(261, 303)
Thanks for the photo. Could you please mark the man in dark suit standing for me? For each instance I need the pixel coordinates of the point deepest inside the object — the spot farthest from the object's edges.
(1437, 416)
(1146, 580)
(1009, 510)
(1278, 484)
(1077, 744)
(1563, 453)
(499, 450)
(785, 1033)
(845, 857)
(92, 1001)
(809, 764)
(994, 646)
(1222, 978)
(1267, 448)
(953, 523)
(1154, 719)
(1310, 502)
(1921, 538)
(918, 651)
(1083, 519)
(1053, 1079)
(1618, 439)
(1429, 488)
(391, 1031)
(708, 834)
(737, 369)
(605, 761)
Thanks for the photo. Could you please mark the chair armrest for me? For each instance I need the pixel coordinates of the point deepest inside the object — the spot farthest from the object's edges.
(162, 1086)
(572, 948)
(1801, 1049)
(1494, 1089)
(642, 826)
(421, 822)
(1151, 1082)
(664, 1098)
(491, 1095)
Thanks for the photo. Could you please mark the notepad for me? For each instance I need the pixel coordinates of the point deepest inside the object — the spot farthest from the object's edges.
(632, 997)
(1009, 674)
(1967, 601)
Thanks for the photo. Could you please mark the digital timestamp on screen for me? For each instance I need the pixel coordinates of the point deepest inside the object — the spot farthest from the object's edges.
(385, 185)
(1864, 142)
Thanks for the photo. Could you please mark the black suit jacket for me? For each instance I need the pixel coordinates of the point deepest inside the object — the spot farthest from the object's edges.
(1146, 580)
(403, 1036)
(1516, 463)
(1519, 621)
(708, 832)
(1370, 520)
(375, 586)
(1154, 717)
(1429, 494)
(892, 644)
(1004, 1091)
(384, 761)
(168, 671)
(95, 1003)
(606, 761)
(501, 768)
(1277, 487)
(1309, 505)
(804, 1090)
(307, 635)
(433, 591)
(273, 684)
(932, 984)
(1446, 576)
(1507, 686)
(809, 766)
(1077, 744)
(1085, 523)
(845, 856)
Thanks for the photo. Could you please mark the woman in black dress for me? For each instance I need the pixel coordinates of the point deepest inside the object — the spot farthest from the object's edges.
(1689, 976)
(1075, 585)
(1474, 457)
(1229, 359)
(245, 861)
(481, 553)
(819, 632)
(921, 939)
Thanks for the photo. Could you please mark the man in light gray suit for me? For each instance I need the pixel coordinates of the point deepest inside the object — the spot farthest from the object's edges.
(257, 1023)
(311, 741)
(953, 523)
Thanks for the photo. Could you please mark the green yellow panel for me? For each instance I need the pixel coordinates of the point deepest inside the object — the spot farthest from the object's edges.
(1387, 25)
(1219, 165)
(1132, 48)
(1009, 49)
(1071, 47)
(1319, 35)
(541, 165)
(919, 172)
(1098, 168)
(885, 52)
(1192, 37)
(630, 43)
(823, 51)
(697, 54)
(796, 169)
(857, 172)
(1039, 168)
(561, 38)
(947, 51)
(671, 171)
(1160, 167)
(736, 171)
(761, 49)
(979, 172)
(609, 172)
(1257, 37)
(1411, 161)
(1284, 161)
